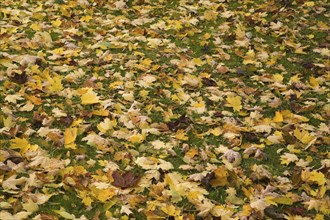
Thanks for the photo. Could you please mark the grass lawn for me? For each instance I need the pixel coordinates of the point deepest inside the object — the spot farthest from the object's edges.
(164, 109)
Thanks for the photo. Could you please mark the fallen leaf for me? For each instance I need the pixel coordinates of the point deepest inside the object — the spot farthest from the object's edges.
(126, 180)
(64, 213)
(235, 102)
(20, 78)
(288, 158)
(89, 97)
(221, 177)
(303, 136)
(181, 123)
(70, 136)
(278, 117)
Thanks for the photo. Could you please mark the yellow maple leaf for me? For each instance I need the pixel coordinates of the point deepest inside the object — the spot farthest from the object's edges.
(87, 201)
(197, 61)
(288, 158)
(240, 32)
(232, 198)
(22, 144)
(103, 194)
(206, 36)
(64, 213)
(278, 77)
(146, 62)
(250, 57)
(313, 82)
(235, 102)
(198, 107)
(116, 84)
(321, 192)
(58, 51)
(35, 27)
(192, 152)
(210, 15)
(221, 177)
(309, 3)
(8, 122)
(77, 122)
(246, 211)
(89, 97)
(35, 100)
(170, 210)
(70, 135)
(101, 112)
(137, 138)
(278, 117)
(303, 136)
(30, 206)
(181, 135)
(177, 25)
(317, 177)
(44, 38)
(221, 211)
(313, 176)
(7, 63)
(55, 84)
(216, 131)
(56, 23)
(106, 125)
(283, 200)
(86, 18)
(319, 217)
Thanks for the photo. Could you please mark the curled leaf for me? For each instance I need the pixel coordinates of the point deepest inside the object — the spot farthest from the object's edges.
(181, 123)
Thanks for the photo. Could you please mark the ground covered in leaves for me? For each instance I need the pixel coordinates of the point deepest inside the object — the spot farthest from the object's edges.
(158, 109)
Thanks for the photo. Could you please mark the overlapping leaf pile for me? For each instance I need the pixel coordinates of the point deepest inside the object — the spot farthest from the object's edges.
(164, 109)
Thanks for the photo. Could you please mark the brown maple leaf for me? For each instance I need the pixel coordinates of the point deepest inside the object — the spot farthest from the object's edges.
(66, 120)
(20, 78)
(206, 180)
(181, 123)
(14, 159)
(209, 82)
(126, 180)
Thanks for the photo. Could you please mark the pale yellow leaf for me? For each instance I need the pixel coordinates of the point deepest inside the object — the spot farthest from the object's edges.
(210, 15)
(35, 27)
(56, 23)
(137, 138)
(152, 163)
(221, 177)
(30, 206)
(313, 82)
(278, 117)
(106, 125)
(103, 194)
(181, 135)
(22, 144)
(317, 177)
(303, 136)
(64, 214)
(89, 97)
(55, 84)
(87, 201)
(70, 135)
(235, 102)
(216, 131)
(288, 158)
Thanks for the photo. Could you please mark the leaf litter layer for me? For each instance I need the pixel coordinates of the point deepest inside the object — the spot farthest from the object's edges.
(164, 109)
